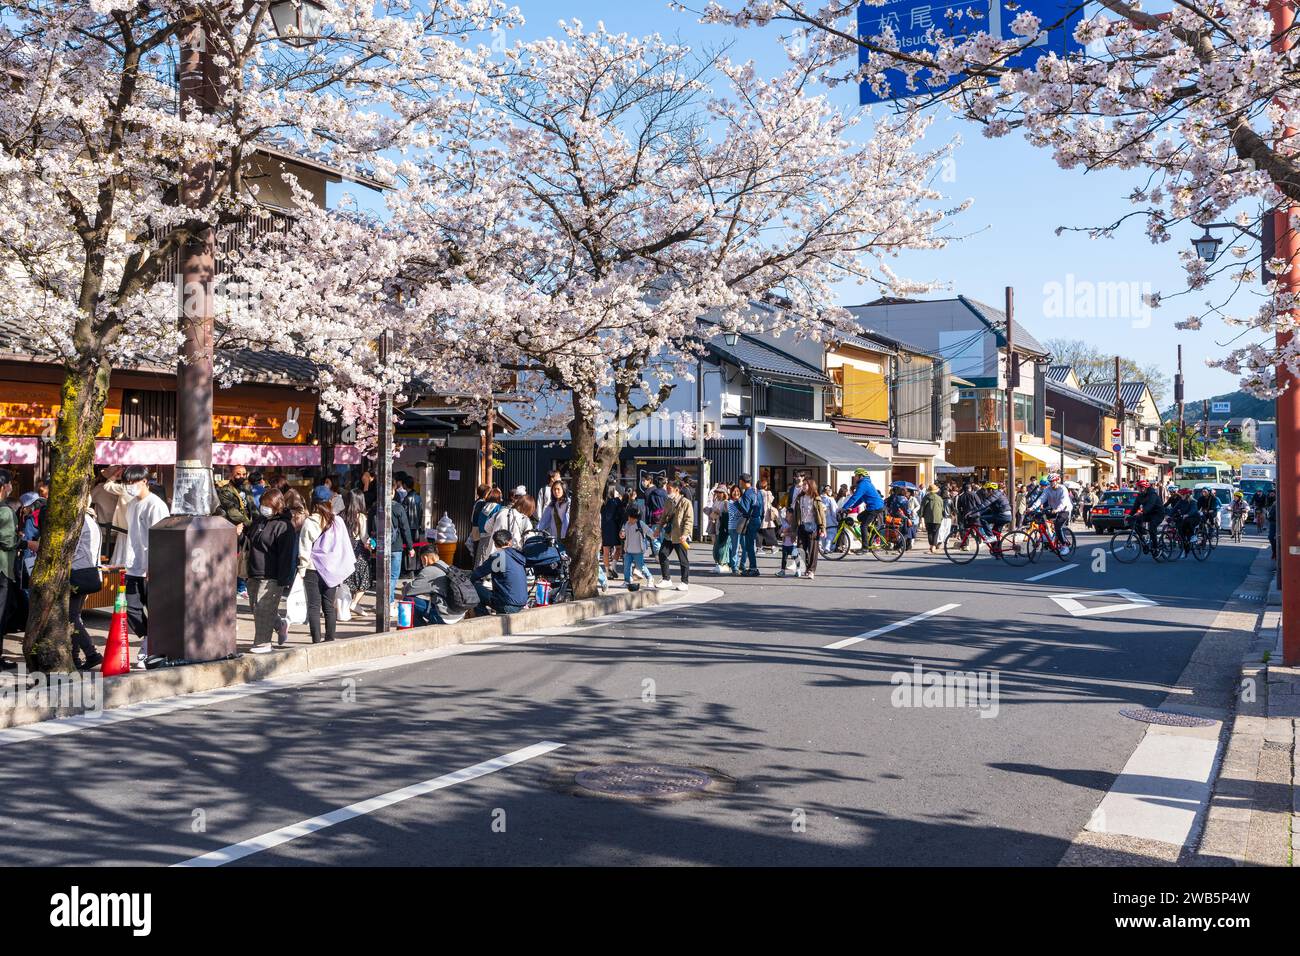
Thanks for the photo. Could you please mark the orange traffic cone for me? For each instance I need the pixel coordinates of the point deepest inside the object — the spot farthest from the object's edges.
(117, 655)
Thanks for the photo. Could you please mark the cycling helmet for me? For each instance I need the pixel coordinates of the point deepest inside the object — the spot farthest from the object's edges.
(1143, 483)
(860, 473)
(992, 485)
(1042, 482)
(1238, 494)
(1184, 491)
(1053, 477)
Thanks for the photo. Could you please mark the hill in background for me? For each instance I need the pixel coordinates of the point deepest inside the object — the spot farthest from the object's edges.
(1243, 406)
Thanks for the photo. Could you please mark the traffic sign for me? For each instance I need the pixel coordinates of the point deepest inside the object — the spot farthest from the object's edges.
(1117, 447)
(1221, 408)
(912, 20)
(1115, 433)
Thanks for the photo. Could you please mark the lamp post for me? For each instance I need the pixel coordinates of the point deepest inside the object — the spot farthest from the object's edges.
(192, 580)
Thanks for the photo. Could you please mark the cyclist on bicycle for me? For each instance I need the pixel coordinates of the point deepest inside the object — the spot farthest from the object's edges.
(1185, 514)
(1208, 506)
(866, 497)
(995, 511)
(1148, 512)
(1056, 505)
(1239, 512)
(898, 509)
(1035, 500)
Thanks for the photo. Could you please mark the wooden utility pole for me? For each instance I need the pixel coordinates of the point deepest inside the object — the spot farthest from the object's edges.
(1178, 396)
(1013, 369)
(1119, 423)
(384, 556)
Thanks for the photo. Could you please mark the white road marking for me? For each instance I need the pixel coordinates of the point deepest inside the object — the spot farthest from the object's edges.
(1163, 788)
(268, 841)
(1132, 601)
(1048, 574)
(170, 705)
(867, 635)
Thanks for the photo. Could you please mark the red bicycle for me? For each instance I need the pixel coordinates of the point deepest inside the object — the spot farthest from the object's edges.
(962, 545)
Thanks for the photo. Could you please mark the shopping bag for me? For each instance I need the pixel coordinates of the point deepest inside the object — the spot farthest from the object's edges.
(945, 526)
(343, 603)
(295, 607)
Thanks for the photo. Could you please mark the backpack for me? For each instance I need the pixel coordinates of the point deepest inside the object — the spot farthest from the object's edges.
(461, 593)
(485, 515)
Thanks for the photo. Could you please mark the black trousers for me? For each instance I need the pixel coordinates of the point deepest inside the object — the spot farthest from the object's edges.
(81, 641)
(5, 586)
(137, 605)
(683, 560)
(318, 594)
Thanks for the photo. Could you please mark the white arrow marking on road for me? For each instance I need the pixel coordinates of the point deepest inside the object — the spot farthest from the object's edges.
(1070, 602)
(267, 841)
(867, 635)
(1048, 574)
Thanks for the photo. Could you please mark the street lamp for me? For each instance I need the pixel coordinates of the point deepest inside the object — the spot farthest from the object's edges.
(731, 337)
(298, 22)
(1207, 246)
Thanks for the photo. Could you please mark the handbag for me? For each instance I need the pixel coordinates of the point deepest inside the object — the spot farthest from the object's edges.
(86, 580)
(343, 602)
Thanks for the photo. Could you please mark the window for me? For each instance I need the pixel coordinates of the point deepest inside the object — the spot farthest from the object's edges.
(779, 400)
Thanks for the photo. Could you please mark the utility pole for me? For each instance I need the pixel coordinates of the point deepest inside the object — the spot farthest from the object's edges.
(192, 593)
(1013, 376)
(1287, 248)
(1119, 423)
(1205, 421)
(383, 501)
(1178, 397)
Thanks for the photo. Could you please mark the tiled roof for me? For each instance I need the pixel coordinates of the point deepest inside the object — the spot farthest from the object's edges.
(1064, 388)
(754, 356)
(1131, 392)
(254, 365)
(1059, 373)
(996, 320)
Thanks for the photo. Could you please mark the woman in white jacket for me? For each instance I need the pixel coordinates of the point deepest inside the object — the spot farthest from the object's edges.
(517, 519)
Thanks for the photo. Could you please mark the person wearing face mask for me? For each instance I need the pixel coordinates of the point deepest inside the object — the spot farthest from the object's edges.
(145, 510)
(272, 566)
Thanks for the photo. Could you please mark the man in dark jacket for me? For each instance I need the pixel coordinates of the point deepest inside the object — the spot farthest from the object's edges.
(233, 505)
(751, 510)
(272, 566)
(509, 592)
(8, 549)
(400, 542)
(1148, 512)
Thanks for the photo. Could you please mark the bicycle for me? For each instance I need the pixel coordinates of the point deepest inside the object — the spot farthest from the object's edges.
(1127, 548)
(884, 545)
(1013, 547)
(1042, 535)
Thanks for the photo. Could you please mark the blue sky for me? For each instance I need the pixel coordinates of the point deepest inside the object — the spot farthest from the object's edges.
(1020, 197)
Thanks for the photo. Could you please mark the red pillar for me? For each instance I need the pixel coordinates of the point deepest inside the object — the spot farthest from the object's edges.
(1287, 248)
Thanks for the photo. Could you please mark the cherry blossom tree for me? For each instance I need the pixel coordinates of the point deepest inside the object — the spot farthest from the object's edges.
(1198, 102)
(610, 203)
(93, 214)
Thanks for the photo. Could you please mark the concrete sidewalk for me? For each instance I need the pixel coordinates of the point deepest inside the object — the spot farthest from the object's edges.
(1254, 815)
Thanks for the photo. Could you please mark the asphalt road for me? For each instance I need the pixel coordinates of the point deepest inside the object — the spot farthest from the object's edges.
(812, 762)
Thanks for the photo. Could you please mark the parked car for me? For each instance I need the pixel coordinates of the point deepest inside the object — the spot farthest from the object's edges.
(1113, 511)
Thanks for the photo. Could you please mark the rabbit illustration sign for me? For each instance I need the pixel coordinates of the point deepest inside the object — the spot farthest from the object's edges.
(291, 427)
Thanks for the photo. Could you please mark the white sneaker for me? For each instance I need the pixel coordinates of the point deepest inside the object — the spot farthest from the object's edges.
(260, 649)
(664, 584)
(781, 573)
(719, 569)
(809, 575)
(683, 586)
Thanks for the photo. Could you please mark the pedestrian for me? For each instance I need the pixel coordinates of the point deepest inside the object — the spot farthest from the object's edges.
(635, 537)
(898, 512)
(545, 492)
(84, 581)
(505, 569)
(771, 517)
(145, 511)
(256, 488)
(354, 520)
(716, 515)
(8, 551)
(233, 506)
(789, 541)
(1270, 513)
(430, 592)
(932, 512)
(735, 529)
(272, 567)
(678, 523)
(517, 519)
(413, 503)
(555, 514)
(400, 542)
(325, 560)
(811, 530)
(751, 503)
(611, 520)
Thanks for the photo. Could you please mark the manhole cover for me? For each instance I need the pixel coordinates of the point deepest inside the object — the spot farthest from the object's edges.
(1161, 717)
(642, 780)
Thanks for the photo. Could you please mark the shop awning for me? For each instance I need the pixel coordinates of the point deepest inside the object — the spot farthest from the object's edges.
(149, 452)
(19, 450)
(1051, 457)
(829, 446)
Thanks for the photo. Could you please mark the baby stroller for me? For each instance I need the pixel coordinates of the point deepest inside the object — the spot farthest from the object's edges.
(546, 563)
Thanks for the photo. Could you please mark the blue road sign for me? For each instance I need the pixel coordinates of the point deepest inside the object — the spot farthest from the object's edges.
(1116, 447)
(911, 20)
